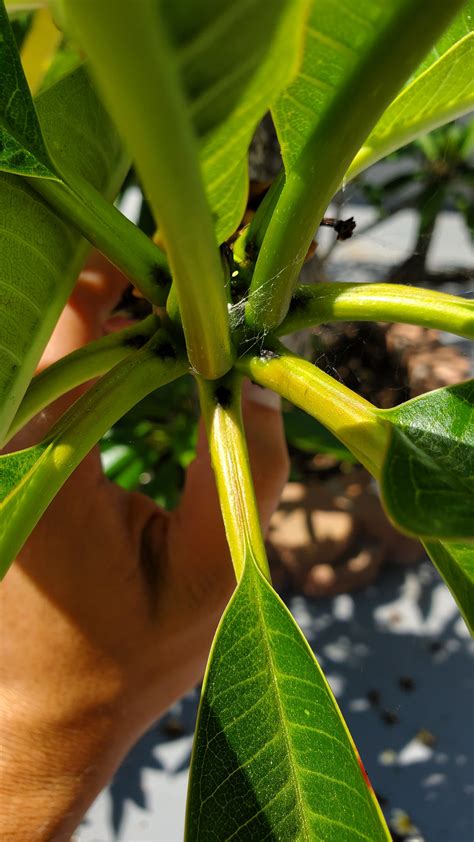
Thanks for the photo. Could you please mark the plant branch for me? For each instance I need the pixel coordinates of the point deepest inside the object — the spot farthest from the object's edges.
(132, 60)
(94, 360)
(335, 302)
(312, 181)
(351, 418)
(220, 406)
(44, 468)
(125, 245)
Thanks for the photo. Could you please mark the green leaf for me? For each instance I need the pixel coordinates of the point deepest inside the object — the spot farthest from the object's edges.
(22, 147)
(427, 478)
(234, 59)
(461, 25)
(41, 255)
(442, 93)
(272, 757)
(356, 58)
(30, 479)
(64, 185)
(455, 562)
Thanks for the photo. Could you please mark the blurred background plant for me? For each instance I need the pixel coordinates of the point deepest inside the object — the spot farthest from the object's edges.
(429, 175)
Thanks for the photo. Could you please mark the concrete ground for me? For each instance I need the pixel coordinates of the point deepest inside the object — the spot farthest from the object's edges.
(397, 655)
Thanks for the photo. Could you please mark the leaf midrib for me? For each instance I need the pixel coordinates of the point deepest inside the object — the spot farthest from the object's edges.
(284, 730)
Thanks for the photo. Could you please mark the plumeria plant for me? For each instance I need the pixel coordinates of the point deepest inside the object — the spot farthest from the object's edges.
(179, 88)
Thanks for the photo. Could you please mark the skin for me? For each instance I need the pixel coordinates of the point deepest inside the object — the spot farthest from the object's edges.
(109, 612)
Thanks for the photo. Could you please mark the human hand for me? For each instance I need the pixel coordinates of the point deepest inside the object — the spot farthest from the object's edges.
(109, 611)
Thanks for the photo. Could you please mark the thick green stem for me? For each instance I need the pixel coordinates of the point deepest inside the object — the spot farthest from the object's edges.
(335, 302)
(94, 360)
(128, 248)
(134, 65)
(311, 183)
(351, 418)
(220, 406)
(260, 222)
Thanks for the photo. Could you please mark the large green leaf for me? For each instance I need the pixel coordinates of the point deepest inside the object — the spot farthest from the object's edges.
(441, 89)
(31, 478)
(460, 26)
(443, 92)
(41, 255)
(22, 147)
(71, 192)
(338, 43)
(455, 562)
(234, 60)
(356, 58)
(273, 758)
(427, 478)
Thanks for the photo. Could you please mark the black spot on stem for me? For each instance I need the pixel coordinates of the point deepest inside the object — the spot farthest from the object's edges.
(136, 341)
(223, 396)
(165, 350)
(299, 302)
(160, 276)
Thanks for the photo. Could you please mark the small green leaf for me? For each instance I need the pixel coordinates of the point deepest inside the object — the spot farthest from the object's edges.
(272, 757)
(442, 93)
(41, 255)
(427, 478)
(455, 562)
(22, 147)
(30, 479)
